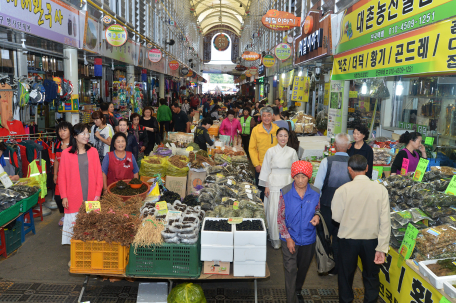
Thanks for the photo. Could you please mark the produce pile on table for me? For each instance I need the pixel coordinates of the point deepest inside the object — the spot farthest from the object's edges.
(9, 198)
(123, 189)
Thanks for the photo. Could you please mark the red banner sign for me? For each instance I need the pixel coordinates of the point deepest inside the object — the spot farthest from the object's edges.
(174, 65)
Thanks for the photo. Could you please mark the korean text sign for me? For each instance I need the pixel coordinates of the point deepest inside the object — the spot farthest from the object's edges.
(300, 89)
(370, 21)
(425, 50)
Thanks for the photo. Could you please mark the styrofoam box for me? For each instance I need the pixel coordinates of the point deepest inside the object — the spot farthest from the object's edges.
(449, 288)
(223, 238)
(256, 238)
(249, 269)
(250, 253)
(156, 292)
(437, 282)
(216, 253)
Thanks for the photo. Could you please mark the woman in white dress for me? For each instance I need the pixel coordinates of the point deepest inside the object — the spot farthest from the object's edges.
(275, 174)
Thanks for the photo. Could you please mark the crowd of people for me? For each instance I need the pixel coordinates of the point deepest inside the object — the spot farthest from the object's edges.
(354, 209)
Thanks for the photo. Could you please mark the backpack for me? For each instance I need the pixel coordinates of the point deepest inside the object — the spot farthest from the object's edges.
(293, 141)
(323, 251)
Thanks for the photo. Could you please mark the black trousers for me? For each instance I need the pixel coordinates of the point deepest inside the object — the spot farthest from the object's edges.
(261, 188)
(245, 143)
(59, 201)
(296, 266)
(164, 126)
(350, 249)
(333, 229)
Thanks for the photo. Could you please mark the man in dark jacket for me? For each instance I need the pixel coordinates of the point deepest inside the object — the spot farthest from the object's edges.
(332, 174)
(201, 136)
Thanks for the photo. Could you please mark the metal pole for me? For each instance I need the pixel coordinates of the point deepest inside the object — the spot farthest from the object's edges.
(84, 285)
(313, 104)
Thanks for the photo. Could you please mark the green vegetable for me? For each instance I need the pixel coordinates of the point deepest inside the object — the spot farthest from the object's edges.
(187, 293)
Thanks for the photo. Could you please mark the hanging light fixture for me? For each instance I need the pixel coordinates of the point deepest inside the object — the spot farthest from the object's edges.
(283, 75)
(300, 72)
(399, 88)
(364, 88)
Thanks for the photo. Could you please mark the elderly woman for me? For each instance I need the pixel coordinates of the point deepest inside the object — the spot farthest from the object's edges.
(299, 207)
(275, 174)
(118, 164)
(230, 126)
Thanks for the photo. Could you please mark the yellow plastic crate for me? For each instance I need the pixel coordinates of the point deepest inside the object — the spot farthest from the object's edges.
(93, 257)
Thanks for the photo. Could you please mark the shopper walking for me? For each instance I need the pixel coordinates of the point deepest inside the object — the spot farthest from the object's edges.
(297, 218)
(101, 134)
(412, 143)
(65, 133)
(164, 117)
(118, 164)
(332, 174)
(185, 106)
(247, 124)
(360, 147)
(278, 120)
(139, 132)
(108, 111)
(362, 208)
(275, 174)
(78, 183)
(263, 137)
(151, 126)
(230, 126)
(180, 119)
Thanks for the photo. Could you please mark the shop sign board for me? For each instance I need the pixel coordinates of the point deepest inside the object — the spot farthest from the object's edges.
(221, 42)
(250, 56)
(91, 33)
(335, 108)
(173, 65)
(315, 39)
(261, 70)
(253, 70)
(116, 35)
(184, 71)
(190, 73)
(279, 20)
(49, 19)
(367, 22)
(326, 95)
(240, 68)
(155, 66)
(301, 87)
(426, 50)
(269, 60)
(155, 55)
(422, 129)
(248, 74)
(127, 53)
(282, 51)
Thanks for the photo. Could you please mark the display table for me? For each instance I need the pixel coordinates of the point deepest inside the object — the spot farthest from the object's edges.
(405, 283)
(201, 278)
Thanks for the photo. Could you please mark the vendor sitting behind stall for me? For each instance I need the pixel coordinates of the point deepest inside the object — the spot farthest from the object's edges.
(201, 136)
(118, 164)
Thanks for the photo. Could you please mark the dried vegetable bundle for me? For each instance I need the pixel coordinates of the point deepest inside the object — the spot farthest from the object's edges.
(149, 233)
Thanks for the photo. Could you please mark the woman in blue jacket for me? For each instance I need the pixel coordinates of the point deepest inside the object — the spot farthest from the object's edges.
(299, 206)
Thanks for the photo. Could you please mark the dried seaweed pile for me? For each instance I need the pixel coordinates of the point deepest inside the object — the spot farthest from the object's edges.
(117, 221)
(135, 181)
(149, 233)
(178, 161)
(127, 191)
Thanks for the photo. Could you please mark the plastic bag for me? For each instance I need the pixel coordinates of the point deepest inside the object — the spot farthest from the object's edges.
(402, 217)
(167, 234)
(150, 169)
(189, 241)
(450, 220)
(214, 169)
(395, 224)
(174, 240)
(418, 215)
(437, 212)
(186, 293)
(440, 185)
(443, 234)
(182, 228)
(247, 196)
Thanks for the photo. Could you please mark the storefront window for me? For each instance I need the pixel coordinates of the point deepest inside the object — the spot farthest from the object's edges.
(365, 102)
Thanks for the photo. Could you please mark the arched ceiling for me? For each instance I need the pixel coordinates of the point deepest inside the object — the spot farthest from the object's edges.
(212, 13)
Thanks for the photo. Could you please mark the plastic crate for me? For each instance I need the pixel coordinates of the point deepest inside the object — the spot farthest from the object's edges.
(166, 260)
(10, 213)
(13, 238)
(93, 257)
(30, 201)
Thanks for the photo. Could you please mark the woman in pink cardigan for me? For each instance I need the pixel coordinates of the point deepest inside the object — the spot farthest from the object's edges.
(230, 126)
(80, 177)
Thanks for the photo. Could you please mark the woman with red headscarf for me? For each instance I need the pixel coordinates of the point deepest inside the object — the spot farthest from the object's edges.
(299, 206)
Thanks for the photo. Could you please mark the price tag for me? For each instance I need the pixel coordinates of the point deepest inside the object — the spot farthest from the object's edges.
(451, 188)
(161, 207)
(220, 176)
(92, 205)
(374, 174)
(420, 170)
(247, 186)
(235, 220)
(189, 149)
(353, 94)
(229, 182)
(444, 300)
(236, 205)
(429, 141)
(408, 244)
(250, 196)
(405, 165)
(6, 181)
(248, 191)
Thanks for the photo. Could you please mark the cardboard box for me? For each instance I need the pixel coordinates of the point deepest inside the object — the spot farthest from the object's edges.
(177, 185)
(216, 268)
(194, 179)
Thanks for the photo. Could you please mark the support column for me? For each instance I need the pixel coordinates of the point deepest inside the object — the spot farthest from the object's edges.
(130, 75)
(271, 90)
(70, 69)
(345, 107)
(161, 87)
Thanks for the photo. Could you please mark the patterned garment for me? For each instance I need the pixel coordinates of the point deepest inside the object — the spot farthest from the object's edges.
(301, 167)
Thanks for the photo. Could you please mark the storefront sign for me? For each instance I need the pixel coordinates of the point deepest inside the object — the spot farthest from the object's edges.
(403, 284)
(184, 71)
(107, 19)
(280, 21)
(316, 42)
(367, 22)
(426, 50)
(253, 70)
(190, 73)
(127, 53)
(155, 55)
(149, 45)
(250, 56)
(91, 33)
(282, 51)
(116, 35)
(248, 74)
(240, 68)
(221, 42)
(173, 65)
(336, 100)
(269, 60)
(261, 70)
(49, 19)
(326, 95)
(301, 86)
(422, 129)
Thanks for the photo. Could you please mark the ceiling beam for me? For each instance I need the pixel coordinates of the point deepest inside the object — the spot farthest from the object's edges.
(222, 27)
(224, 15)
(201, 1)
(218, 9)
